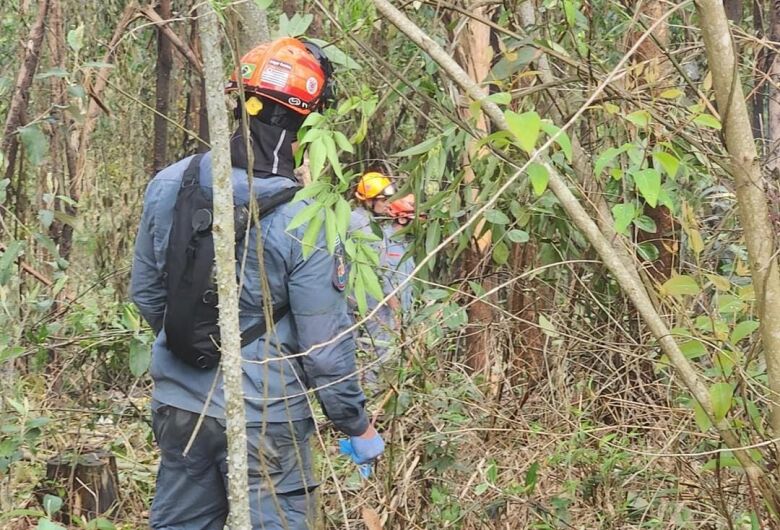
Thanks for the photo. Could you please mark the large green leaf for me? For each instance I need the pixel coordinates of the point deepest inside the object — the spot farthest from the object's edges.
(140, 356)
(624, 214)
(539, 178)
(525, 127)
(35, 143)
(304, 215)
(496, 217)
(318, 151)
(721, 395)
(680, 285)
(76, 38)
(743, 330)
(562, 139)
(331, 231)
(648, 181)
(343, 214)
(668, 162)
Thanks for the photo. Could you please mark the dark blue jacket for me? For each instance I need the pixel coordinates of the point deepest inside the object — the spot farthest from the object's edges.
(274, 384)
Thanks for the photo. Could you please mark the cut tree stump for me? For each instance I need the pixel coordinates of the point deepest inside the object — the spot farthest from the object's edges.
(89, 481)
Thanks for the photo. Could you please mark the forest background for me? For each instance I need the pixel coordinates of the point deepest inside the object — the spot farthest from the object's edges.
(596, 339)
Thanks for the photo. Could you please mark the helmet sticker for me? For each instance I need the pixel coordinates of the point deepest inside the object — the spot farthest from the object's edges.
(294, 101)
(247, 70)
(275, 76)
(312, 85)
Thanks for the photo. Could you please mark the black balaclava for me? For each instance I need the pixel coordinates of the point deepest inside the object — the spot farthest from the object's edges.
(271, 145)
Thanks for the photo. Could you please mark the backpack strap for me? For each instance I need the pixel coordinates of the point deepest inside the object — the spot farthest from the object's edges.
(192, 173)
(254, 332)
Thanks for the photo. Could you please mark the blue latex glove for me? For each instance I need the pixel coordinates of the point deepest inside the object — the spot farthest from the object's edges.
(345, 448)
(362, 451)
(367, 450)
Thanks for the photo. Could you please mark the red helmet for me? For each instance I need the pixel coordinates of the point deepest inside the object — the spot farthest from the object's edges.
(402, 210)
(293, 73)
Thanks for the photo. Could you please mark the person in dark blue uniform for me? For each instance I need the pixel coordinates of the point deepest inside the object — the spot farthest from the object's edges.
(283, 82)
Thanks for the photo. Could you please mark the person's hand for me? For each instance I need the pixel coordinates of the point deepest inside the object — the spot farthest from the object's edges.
(367, 447)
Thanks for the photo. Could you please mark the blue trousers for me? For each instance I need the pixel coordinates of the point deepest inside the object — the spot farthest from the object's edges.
(191, 490)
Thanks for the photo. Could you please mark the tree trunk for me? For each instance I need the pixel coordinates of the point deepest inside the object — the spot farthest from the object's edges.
(20, 98)
(773, 110)
(751, 199)
(760, 76)
(225, 252)
(252, 24)
(162, 93)
(733, 10)
(626, 278)
(474, 53)
(90, 481)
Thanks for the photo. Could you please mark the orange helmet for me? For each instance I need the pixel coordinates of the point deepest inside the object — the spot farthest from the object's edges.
(372, 185)
(293, 73)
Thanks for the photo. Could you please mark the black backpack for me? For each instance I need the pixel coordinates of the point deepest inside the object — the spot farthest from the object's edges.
(191, 311)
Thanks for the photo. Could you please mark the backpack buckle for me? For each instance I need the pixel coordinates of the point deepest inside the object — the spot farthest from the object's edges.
(201, 220)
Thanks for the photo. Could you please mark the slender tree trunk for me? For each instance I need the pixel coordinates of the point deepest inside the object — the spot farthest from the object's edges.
(474, 53)
(20, 98)
(162, 95)
(627, 279)
(733, 10)
(751, 199)
(760, 76)
(773, 110)
(225, 252)
(252, 24)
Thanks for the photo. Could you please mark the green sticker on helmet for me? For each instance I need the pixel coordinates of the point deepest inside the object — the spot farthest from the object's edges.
(247, 70)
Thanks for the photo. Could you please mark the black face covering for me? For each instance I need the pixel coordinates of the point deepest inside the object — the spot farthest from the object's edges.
(271, 149)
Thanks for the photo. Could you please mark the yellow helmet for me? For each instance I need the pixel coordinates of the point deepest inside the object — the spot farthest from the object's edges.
(372, 185)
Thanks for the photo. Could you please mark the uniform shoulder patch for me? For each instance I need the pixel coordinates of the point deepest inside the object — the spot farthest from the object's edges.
(340, 271)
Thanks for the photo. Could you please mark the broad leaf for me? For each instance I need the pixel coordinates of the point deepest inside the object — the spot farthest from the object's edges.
(305, 215)
(707, 120)
(640, 118)
(680, 285)
(35, 143)
(562, 139)
(743, 330)
(140, 356)
(525, 127)
(343, 214)
(500, 253)
(539, 177)
(668, 162)
(518, 236)
(624, 214)
(496, 217)
(76, 38)
(648, 181)
(721, 395)
(645, 224)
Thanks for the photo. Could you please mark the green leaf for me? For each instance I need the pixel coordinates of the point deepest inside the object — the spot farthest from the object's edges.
(671, 93)
(668, 162)
(640, 118)
(693, 349)
(52, 72)
(707, 120)
(702, 420)
(500, 253)
(343, 214)
(531, 476)
(51, 504)
(649, 183)
(423, 147)
(76, 38)
(46, 524)
(679, 286)
(7, 259)
(648, 251)
(317, 154)
(492, 472)
(35, 143)
(608, 156)
(624, 214)
(570, 12)
(331, 232)
(432, 295)
(500, 98)
(518, 236)
(743, 330)
(336, 54)
(646, 224)
(525, 127)
(371, 281)
(140, 356)
(562, 139)
(539, 178)
(311, 234)
(479, 489)
(721, 395)
(263, 4)
(312, 190)
(100, 524)
(496, 217)
(304, 215)
(342, 142)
